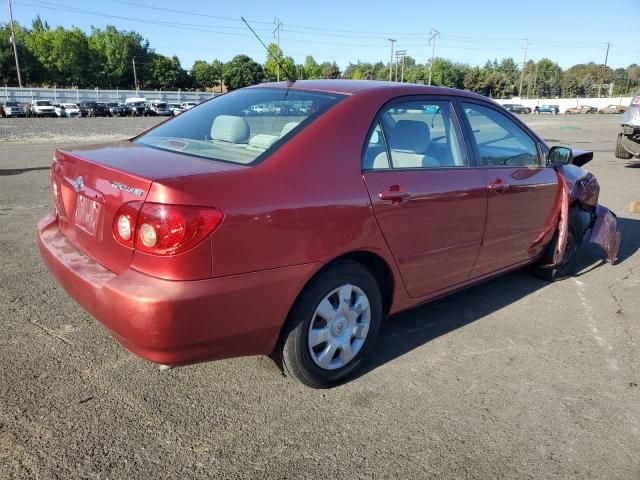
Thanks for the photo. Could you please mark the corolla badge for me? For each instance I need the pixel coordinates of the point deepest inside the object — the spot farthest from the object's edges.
(138, 192)
(78, 183)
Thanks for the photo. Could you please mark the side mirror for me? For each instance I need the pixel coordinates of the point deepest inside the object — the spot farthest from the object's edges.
(559, 156)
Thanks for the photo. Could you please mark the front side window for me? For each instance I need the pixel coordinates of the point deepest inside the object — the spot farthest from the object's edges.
(499, 140)
(418, 134)
(240, 126)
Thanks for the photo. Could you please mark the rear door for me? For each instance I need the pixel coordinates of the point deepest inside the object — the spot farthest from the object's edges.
(428, 199)
(521, 190)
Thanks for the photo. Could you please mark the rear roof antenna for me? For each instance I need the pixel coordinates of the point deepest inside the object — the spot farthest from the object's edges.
(290, 78)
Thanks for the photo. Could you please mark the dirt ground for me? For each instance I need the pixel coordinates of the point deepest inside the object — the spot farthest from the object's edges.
(515, 378)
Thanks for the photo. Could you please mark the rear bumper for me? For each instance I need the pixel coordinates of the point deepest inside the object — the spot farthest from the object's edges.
(176, 322)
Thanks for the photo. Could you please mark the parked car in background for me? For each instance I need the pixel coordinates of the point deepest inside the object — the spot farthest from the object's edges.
(40, 108)
(184, 245)
(13, 109)
(582, 109)
(516, 108)
(628, 142)
(159, 108)
(67, 110)
(117, 110)
(137, 106)
(187, 105)
(93, 109)
(613, 109)
(553, 109)
(176, 108)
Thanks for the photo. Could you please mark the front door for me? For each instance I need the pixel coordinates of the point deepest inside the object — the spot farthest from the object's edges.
(429, 202)
(522, 192)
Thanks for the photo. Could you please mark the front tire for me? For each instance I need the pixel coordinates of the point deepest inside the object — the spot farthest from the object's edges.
(569, 262)
(621, 152)
(332, 327)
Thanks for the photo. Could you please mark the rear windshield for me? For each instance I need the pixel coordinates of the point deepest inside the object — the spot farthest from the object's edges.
(241, 126)
(13, 104)
(43, 103)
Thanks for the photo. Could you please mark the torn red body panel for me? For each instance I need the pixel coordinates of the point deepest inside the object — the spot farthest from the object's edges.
(576, 185)
(605, 232)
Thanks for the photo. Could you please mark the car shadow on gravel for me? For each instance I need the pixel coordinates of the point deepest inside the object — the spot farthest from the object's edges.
(408, 330)
(5, 172)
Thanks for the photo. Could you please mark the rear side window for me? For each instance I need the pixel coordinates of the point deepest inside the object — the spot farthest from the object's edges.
(500, 141)
(415, 134)
(242, 126)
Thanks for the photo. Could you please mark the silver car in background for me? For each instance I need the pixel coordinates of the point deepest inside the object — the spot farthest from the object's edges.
(628, 142)
(13, 109)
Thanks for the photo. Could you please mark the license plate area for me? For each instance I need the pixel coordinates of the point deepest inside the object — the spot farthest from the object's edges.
(87, 214)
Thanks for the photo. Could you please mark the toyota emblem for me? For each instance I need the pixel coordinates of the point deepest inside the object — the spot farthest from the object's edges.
(78, 183)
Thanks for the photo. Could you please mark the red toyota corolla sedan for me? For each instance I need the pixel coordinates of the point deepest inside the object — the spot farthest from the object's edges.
(292, 218)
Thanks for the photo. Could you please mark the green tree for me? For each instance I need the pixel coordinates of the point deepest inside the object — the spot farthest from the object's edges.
(581, 80)
(271, 66)
(164, 73)
(62, 55)
(329, 70)
(445, 73)
(311, 68)
(206, 75)
(242, 71)
(112, 52)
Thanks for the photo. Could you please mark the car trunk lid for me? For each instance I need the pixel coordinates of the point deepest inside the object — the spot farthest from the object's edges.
(89, 185)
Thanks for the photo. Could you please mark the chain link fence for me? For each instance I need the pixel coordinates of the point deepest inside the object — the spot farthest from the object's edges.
(77, 95)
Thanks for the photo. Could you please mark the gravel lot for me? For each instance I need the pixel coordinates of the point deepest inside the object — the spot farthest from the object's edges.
(514, 378)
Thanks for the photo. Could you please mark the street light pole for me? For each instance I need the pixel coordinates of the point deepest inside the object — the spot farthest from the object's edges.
(15, 48)
(392, 40)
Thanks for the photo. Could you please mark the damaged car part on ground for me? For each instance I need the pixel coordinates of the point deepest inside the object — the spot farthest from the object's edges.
(628, 141)
(295, 232)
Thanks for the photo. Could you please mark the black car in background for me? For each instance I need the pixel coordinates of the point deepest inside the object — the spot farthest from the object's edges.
(117, 110)
(516, 108)
(93, 109)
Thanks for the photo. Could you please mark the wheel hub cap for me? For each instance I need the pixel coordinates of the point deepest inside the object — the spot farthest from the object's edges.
(339, 327)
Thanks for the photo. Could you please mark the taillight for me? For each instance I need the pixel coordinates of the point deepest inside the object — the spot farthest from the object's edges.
(124, 223)
(163, 229)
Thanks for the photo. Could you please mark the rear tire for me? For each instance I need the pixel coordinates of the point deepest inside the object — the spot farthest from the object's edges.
(569, 262)
(620, 150)
(332, 327)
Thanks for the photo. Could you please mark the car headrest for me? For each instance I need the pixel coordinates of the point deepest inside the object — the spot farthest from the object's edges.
(411, 136)
(262, 141)
(229, 128)
(288, 127)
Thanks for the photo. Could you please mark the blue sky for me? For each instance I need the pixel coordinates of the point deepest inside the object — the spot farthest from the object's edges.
(568, 32)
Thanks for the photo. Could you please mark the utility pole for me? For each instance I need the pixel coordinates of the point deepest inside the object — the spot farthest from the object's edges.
(432, 41)
(604, 69)
(276, 34)
(524, 62)
(400, 54)
(535, 81)
(135, 75)
(15, 48)
(396, 77)
(392, 40)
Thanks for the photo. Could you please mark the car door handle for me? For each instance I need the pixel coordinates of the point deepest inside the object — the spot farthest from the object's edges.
(394, 196)
(498, 187)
